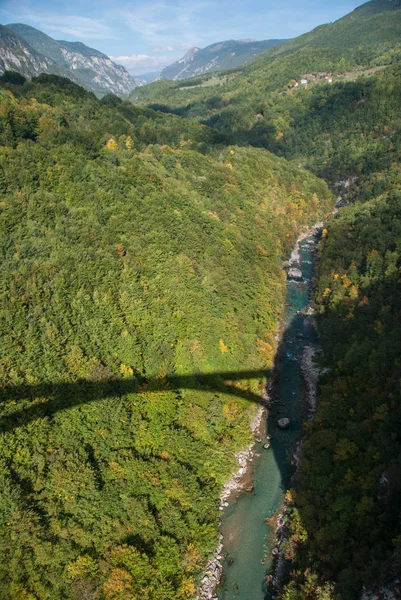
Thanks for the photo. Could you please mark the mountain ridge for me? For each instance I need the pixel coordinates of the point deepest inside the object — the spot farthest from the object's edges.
(226, 54)
(17, 55)
(86, 66)
(368, 37)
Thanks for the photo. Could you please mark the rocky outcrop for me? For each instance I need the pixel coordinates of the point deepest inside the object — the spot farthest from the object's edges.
(310, 374)
(389, 592)
(223, 55)
(18, 55)
(295, 273)
(35, 53)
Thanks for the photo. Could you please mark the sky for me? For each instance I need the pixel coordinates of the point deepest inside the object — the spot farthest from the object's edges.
(145, 36)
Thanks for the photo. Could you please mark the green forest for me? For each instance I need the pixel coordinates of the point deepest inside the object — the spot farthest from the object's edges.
(142, 243)
(344, 513)
(135, 246)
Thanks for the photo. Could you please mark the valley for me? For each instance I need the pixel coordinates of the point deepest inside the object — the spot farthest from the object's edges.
(143, 241)
(249, 523)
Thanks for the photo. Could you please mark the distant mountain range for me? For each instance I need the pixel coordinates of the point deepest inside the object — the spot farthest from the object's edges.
(216, 57)
(31, 52)
(146, 78)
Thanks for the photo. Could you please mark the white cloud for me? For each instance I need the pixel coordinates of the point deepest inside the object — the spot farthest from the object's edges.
(162, 24)
(54, 23)
(80, 27)
(138, 64)
(175, 48)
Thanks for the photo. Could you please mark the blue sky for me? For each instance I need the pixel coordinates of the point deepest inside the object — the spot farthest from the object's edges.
(145, 36)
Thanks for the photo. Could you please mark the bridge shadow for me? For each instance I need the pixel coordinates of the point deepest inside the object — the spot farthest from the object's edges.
(25, 403)
(47, 399)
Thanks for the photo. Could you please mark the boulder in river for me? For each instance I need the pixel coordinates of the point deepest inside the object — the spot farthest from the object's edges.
(294, 273)
(284, 423)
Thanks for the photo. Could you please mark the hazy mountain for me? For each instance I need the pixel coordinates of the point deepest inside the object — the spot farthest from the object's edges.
(87, 66)
(223, 55)
(146, 77)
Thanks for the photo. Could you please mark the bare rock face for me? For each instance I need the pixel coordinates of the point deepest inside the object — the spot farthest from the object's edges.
(294, 273)
(284, 423)
(31, 52)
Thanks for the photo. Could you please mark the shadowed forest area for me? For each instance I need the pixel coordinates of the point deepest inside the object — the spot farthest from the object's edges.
(64, 395)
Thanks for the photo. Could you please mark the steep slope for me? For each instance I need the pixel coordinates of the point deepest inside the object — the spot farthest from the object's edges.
(17, 55)
(216, 57)
(344, 514)
(137, 255)
(173, 71)
(89, 67)
(367, 37)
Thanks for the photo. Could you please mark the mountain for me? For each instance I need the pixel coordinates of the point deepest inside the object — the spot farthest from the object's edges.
(223, 55)
(17, 55)
(368, 37)
(371, 24)
(146, 77)
(177, 70)
(88, 67)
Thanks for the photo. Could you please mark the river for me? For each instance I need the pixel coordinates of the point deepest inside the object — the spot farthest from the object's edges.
(248, 539)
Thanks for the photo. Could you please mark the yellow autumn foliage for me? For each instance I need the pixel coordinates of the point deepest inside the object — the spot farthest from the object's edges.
(126, 370)
(112, 144)
(223, 347)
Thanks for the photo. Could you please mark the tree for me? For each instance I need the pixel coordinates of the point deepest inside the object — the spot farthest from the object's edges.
(12, 77)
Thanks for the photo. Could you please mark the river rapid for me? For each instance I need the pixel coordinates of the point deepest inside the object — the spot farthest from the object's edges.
(248, 523)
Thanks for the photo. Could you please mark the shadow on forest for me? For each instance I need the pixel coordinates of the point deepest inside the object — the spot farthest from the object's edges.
(49, 398)
(27, 403)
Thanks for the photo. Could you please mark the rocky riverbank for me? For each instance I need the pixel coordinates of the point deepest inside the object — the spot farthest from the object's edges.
(310, 375)
(234, 486)
(296, 253)
(241, 480)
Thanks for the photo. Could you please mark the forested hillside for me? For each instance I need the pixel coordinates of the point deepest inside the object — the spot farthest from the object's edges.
(344, 514)
(138, 250)
(345, 525)
(234, 103)
(141, 250)
(346, 508)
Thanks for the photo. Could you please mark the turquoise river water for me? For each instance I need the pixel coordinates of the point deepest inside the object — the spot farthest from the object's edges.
(247, 539)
